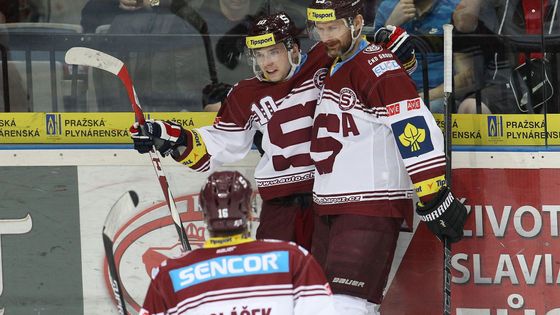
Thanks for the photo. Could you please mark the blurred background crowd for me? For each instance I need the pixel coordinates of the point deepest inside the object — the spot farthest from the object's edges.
(184, 54)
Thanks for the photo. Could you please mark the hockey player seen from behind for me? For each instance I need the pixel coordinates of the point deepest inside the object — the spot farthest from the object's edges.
(233, 273)
(374, 143)
(280, 103)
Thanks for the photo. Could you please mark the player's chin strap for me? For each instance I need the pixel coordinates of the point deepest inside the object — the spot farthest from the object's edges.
(355, 35)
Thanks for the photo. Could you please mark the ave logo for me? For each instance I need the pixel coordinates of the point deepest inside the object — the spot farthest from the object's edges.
(393, 109)
(413, 104)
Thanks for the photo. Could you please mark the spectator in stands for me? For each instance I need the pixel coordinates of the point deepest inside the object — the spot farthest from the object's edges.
(10, 12)
(504, 89)
(426, 17)
(99, 12)
(173, 75)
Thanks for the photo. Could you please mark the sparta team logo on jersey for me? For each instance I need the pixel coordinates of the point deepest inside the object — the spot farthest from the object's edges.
(347, 99)
(319, 77)
(372, 49)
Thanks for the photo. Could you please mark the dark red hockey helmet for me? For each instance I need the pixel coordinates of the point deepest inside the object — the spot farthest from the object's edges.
(225, 200)
(271, 29)
(331, 10)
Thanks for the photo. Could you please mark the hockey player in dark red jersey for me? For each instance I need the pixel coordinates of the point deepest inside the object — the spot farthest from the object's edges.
(280, 103)
(234, 274)
(374, 143)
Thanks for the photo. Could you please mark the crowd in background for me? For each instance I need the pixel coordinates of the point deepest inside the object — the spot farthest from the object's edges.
(184, 54)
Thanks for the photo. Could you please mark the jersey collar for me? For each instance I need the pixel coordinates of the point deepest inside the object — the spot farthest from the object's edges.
(336, 64)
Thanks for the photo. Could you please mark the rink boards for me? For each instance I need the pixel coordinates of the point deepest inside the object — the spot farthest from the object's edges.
(54, 202)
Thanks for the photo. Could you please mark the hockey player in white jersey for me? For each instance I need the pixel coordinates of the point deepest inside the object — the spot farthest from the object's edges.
(279, 102)
(234, 274)
(374, 143)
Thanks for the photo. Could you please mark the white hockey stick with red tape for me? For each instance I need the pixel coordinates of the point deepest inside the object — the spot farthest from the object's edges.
(93, 58)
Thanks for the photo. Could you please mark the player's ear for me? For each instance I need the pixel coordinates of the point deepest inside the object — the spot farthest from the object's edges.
(358, 21)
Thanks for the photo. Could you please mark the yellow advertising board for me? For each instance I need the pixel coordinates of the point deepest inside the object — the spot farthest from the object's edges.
(504, 130)
(83, 128)
(112, 128)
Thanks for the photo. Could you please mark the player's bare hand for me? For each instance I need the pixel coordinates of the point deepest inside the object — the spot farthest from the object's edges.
(403, 12)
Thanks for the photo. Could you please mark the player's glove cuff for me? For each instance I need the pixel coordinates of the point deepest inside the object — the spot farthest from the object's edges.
(444, 215)
(167, 136)
(142, 142)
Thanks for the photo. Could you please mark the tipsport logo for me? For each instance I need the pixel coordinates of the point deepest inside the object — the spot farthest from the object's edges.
(495, 126)
(53, 124)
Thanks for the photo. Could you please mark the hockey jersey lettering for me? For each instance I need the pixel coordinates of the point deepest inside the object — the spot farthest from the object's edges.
(230, 266)
(241, 280)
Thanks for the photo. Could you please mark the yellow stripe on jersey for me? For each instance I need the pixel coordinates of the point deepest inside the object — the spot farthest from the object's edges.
(260, 41)
(214, 242)
(321, 15)
(429, 186)
(198, 149)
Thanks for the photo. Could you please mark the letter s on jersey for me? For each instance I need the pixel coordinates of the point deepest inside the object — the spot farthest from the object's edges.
(326, 144)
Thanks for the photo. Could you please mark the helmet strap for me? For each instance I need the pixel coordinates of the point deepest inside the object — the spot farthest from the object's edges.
(350, 24)
(294, 64)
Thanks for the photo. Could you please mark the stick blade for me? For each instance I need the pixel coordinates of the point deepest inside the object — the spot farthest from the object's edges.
(122, 210)
(84, 56)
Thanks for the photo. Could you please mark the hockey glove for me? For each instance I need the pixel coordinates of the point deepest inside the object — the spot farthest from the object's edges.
(444, 215)
(165, 136)
(397, 40)
(232, 45)
(214, 93)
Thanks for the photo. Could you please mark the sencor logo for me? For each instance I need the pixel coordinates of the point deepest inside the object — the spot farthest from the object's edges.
(230, 266)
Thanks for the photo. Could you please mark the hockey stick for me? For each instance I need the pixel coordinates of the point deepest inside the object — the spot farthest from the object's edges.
(187, 13)
(123, 207)
(97, 59)
(447, 92)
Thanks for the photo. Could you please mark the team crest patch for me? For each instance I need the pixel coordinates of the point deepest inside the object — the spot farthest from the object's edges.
(347, 99)
(413, 136)
(319, 77)
(372, 49)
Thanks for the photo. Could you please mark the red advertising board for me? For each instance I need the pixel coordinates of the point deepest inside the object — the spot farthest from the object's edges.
(509, 260)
